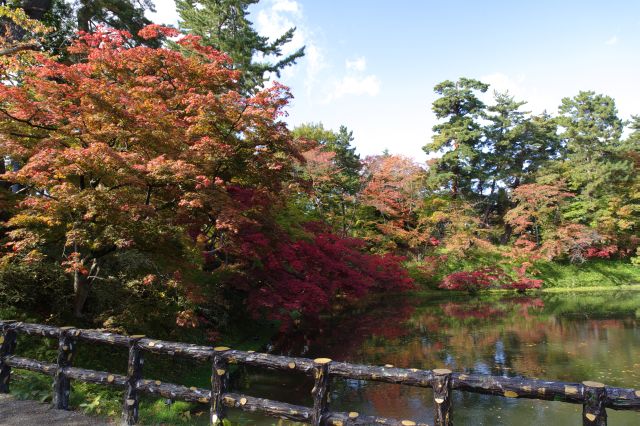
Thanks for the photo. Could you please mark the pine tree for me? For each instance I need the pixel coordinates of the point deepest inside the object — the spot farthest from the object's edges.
(597, 168)
(224, 25)
(459, 137)
(66, 17)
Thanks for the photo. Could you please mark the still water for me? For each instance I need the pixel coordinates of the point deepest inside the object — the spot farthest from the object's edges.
(566, 337)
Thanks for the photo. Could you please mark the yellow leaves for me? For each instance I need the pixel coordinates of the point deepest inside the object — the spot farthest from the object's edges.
(27, 219)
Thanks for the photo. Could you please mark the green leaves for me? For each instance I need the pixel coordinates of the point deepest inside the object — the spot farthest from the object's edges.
(224, 25)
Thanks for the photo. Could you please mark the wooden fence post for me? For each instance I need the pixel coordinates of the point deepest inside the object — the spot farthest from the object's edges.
(61, 383)
(593, 411)
(219, 382)
(134, 373)
(442, 409)
(7, 346)
(320, 389)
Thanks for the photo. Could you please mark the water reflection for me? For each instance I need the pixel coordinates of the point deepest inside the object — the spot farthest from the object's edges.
(571, 337)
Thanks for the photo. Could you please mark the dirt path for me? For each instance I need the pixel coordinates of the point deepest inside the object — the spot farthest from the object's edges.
(31, 413)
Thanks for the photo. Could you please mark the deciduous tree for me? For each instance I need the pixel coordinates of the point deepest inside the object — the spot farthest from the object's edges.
(134, 148)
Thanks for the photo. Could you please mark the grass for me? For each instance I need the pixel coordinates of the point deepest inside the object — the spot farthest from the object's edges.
(597, 275)
(592, 275)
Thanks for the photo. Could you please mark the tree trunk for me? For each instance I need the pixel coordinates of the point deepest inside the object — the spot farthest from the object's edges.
(36, 9)
(506, 235)
(82, 286)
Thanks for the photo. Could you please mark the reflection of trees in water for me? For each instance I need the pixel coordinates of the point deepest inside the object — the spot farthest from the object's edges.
(572, 338)
(342, 337)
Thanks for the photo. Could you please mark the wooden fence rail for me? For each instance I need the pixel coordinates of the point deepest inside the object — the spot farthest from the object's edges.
(594, 397)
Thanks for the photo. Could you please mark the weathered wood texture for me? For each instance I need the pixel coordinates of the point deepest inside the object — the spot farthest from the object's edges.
(594, 397)
(219, 381)
(593, 411)
(320, 389)
(163, 347)
(61, 383)
(387, 374)
(134, 373)
(7, 346)
(519, 387)
(32, 365)
(442, 410)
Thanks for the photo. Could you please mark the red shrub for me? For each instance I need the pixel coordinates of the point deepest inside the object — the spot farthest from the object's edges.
(474, 281)
(289, 279)
(604, 252)
(490, 277)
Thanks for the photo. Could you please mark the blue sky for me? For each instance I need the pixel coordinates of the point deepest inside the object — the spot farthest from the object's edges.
(371, 65)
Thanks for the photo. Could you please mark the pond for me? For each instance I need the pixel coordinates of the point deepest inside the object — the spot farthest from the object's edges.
(566, 337)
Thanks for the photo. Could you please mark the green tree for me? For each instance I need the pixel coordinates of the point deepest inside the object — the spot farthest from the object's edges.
(66, 17)
(224, 25)
(119, 14)
(596, 167)
(516, 145)
(459, 137)
(333, 168)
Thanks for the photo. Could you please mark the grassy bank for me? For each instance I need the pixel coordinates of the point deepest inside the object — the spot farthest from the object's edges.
(594, 274)
(598, 273)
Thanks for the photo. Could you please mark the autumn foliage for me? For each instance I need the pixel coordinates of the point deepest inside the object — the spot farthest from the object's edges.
(292, 280)
(490, 277)
(156, 151)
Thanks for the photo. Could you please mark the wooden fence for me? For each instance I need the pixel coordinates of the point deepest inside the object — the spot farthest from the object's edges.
(593, 396)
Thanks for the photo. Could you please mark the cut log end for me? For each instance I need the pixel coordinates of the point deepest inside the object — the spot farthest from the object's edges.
(408, 423)
(593, 384)
(571, 390)
(353, 415)
(510, 394)
(590, 416)
(221, 348)
(322, 360)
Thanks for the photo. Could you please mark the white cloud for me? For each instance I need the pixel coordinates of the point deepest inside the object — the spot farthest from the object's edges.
(613, 40)
(287, 6)
(357, 86)
(355, 82)
(277, 17)
(522, 90)
(358, 64)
